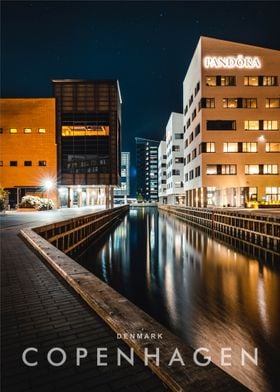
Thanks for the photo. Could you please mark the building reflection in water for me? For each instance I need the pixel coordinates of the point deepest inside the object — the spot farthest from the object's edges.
(202, 290)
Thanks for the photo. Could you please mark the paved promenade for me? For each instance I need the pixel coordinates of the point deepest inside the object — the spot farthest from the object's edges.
(40, 310)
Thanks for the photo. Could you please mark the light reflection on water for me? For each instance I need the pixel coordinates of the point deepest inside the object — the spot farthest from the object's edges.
(205, 292)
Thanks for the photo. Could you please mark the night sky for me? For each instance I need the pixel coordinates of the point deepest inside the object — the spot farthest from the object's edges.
(147, 46)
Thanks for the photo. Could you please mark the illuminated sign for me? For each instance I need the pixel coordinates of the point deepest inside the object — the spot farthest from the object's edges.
(230, 62)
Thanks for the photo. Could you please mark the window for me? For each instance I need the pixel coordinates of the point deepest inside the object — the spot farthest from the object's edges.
(188, 123)
(186, 143)
(186, 110)
(251, 125)
(13, 163)
(272, 193)
(194, 153)
(197, 171)
(1, 130)
(1, 163)
(179, 160)
(251, 80)
(191, 137)
(208, 103)
(269, 81)
(179, 136)
(188, 158)
(186, 177)
(252, 169)
(27, 163)
(27, 130)
(191, 100)
(197, 130)
(220, 80)
(249, 147)
(272, 103)
(194, 114)
(176, 148)
(270, 169)
(41, 130)
(197, 88)
(211, 169)
(230, 147)
(248, 103)
(270, 125)
(164, 157)
(228, 169)
(210, 147)
(230, 103)
(191, 174)
(13, 130)
(221, 125)
(272, 147)
(42, 163)
(175, 172)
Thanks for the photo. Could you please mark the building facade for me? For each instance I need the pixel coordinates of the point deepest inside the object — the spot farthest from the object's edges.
(88, 129)
(175, 159)
(123, 192)
(28, 163)
(147, 169)
(162, 172)
(231, 102)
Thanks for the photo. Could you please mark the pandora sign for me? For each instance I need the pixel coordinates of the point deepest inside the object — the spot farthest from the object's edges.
(230, 62)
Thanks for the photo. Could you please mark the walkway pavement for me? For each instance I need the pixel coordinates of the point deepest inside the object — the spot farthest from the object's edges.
(40, 310)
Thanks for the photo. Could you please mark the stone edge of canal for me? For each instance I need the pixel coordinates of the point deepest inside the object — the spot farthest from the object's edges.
(126, 319)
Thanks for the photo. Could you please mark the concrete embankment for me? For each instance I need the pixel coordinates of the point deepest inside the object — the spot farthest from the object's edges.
(259, 231)
(124, 317)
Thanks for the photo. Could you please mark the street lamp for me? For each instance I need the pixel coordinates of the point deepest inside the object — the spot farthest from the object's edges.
(48, 184)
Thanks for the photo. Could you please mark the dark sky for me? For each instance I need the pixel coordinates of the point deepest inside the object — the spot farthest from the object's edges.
(146, 45)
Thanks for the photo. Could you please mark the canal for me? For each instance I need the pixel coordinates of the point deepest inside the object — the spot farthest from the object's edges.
(202, 290)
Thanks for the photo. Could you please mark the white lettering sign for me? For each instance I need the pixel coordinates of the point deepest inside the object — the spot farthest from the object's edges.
(230, 62)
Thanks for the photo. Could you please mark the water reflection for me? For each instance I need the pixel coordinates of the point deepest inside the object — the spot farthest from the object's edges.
(205, 292)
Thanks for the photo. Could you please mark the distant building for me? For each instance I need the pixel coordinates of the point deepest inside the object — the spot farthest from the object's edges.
(147, 169)
(231, 99)
(88, 125)
(162, 172)
(123, 192)
(28, 164)
(175, 159)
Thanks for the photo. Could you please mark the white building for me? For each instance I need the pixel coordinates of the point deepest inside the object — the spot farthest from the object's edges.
(121, 193)
(162, 172)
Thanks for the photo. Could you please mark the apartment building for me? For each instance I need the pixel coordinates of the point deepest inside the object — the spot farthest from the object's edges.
(231, 106)
(147, 169)
(28, 164)
(175, 159)
(122, 192)
(162, 172)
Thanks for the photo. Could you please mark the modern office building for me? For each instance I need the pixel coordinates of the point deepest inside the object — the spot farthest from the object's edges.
(231, 99)
(122, 193)
(162, 172)
(147, 169)
(175, 159)
(88, 129)
(28, 162)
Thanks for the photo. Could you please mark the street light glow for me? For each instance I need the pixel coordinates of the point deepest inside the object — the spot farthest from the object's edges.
(48, 184)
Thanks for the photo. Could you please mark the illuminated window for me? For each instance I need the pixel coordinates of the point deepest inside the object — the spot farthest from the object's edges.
(227, 80)
(27, 163)
(251, 80)
(230, 147)
(251, 169)
(260, 80)
(211, 81)
(270, 125)
(94, 130)
(272, 193)
(41, 130)
(13, 130)
(27, 130)
(270, 169)
(210, 147)
(249, 147)
(272, 103)
(42, 163)
(248, 103)
(220, 80)
(252, 125)
(13, 163)
(272, 147)
(211, 169)
(230, 103)
(228, 169)
(269, 81)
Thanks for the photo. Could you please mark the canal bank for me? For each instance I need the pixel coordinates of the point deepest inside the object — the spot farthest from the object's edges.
(127, 319)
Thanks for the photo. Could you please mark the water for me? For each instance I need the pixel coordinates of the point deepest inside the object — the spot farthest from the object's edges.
(203, 291)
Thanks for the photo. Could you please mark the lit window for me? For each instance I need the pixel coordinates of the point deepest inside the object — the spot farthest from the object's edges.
(210, 147)
(251, 169)
(27, 130)
(42, 130)
(13, 163)
(211, 81)
(13, 130)
(27, 163)
(251, 80)
(272, 103)
(248, 103)
(272, 147)
(230, 147)
(252, 125)
(249, 147)
(228, 169)
(211, 169)
(42, 163)
(270, 125)
(270, 169)
(269, 80)
(230, 103)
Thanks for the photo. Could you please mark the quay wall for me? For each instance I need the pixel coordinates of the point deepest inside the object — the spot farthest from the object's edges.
(259, 229)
